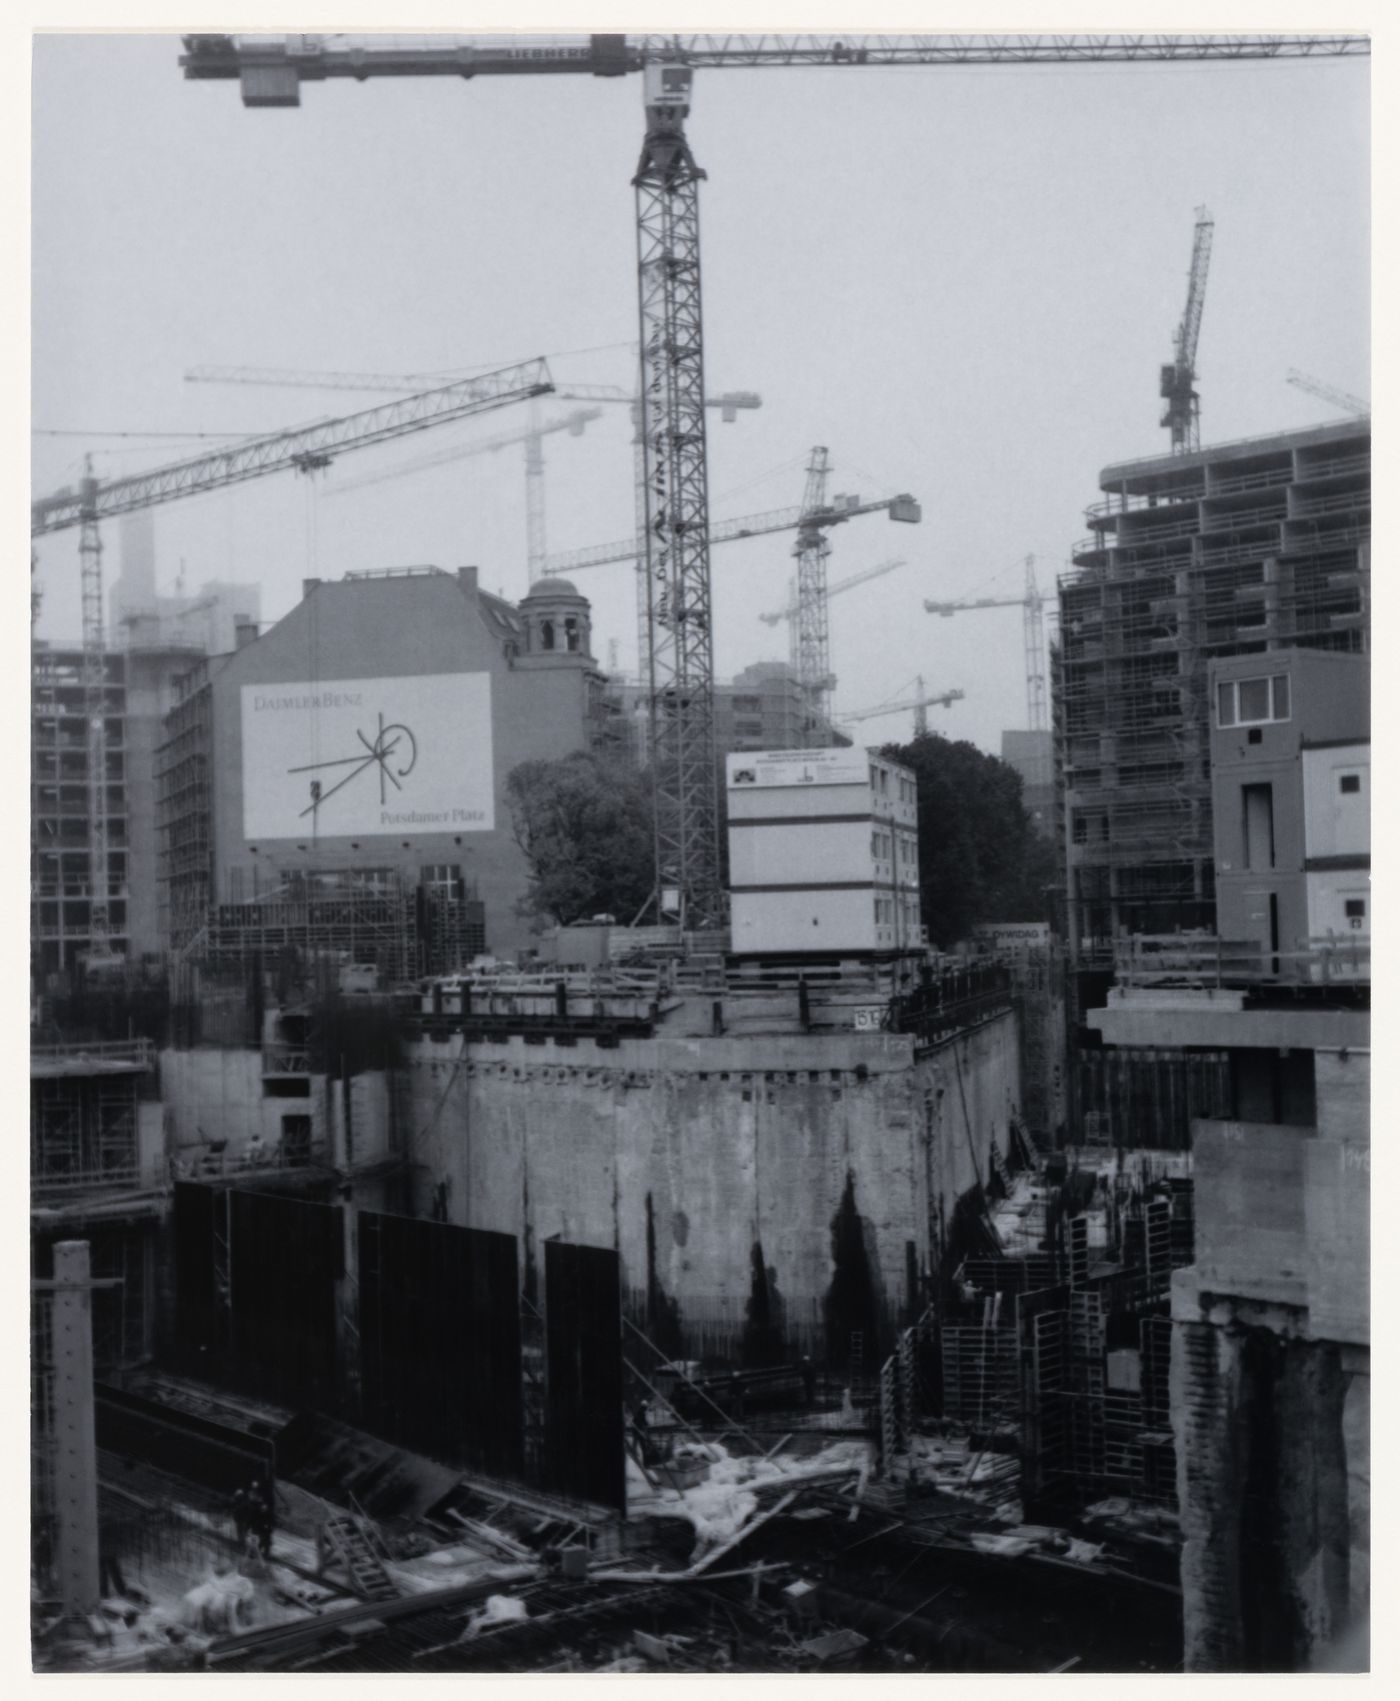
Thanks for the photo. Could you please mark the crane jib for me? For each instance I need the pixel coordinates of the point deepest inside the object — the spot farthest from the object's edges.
(305, 450)
(270, 67)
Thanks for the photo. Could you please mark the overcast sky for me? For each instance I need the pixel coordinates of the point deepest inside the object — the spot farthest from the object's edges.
(962, 282)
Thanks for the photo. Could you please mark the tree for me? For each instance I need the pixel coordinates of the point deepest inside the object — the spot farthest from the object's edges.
(584, 824)
(980, 858)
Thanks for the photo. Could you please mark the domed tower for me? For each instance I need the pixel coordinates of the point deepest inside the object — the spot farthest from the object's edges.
(557, 621)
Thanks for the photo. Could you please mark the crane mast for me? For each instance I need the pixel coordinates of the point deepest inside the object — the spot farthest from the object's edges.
(812, 632)
(679, 663)
(1032, 606)
(1182, 416)
(95, 713)
(1033, 635)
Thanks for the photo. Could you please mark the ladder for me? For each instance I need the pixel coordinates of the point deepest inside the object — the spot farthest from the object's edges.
(343, 1542)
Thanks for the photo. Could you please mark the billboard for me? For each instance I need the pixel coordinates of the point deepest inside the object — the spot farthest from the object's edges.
(360, 757)
(799, 768)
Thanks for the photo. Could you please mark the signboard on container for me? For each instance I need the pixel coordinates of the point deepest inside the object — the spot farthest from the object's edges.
(756, 768)
(368, 757)
(1013, 936)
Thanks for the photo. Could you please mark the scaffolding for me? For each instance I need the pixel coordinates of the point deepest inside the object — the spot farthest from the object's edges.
(61, 797)
(83, 1116)
(183, 764)
(1251, 547)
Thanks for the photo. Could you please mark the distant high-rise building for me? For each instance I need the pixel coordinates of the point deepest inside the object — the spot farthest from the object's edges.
(1032, 755)
(762, 708)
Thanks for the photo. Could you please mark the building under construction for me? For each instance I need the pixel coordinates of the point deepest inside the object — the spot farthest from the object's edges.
(1257, 545)
(1228, 550)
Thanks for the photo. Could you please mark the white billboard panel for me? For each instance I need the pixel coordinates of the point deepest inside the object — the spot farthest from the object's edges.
(360, 757)
(798, 768)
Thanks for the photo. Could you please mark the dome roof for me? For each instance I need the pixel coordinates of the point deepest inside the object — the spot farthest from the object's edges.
(554, 588)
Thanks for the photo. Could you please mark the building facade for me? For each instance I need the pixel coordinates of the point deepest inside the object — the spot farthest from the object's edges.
(1032, 755)
(1270, 1377)
(823, 853)
(352, 762)
(762, 708)
(1239, 548)
(1290, 795)
(140, 688)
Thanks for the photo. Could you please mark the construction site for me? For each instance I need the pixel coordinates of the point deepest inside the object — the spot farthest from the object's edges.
(770, 1278)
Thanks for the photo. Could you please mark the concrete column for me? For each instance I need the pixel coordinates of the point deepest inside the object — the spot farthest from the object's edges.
(348, 1306)
(1356, 1435)
(1204, 1378)
(74, 1436)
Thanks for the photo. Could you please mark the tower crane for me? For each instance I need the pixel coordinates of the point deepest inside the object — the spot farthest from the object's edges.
(1183, 411)
(847, 584)
(729, 404)
(680, 653)
(920, 703)
(306, 450)
(1032, 605)
(574, 423)
(1340, 399)
(835, 513)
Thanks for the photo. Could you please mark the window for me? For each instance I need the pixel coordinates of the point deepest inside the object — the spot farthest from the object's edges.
(1251, 702)
(1355, 909)
(1349, 782)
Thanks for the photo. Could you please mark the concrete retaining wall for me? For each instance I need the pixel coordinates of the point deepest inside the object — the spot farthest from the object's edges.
(685, 1154)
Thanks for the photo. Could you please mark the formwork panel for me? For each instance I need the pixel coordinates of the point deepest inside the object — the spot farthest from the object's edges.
(583, 1335)
(440, 1355)
(286, 1257)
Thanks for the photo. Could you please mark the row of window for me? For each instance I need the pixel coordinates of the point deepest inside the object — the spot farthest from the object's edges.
(906, 790)
(1252, 702)
(908, 912)
(885, 845)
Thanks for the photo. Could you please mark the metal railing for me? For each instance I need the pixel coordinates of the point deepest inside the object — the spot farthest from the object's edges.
(1114, 505)
(1205, 960)
(286, 1060)
(207, 1164)
(1340, 502)
(136, 1051)
(1335, 469)
(126, 1178)
(1266, 480)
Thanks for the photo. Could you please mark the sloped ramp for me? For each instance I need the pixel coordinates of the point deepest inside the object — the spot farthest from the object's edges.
(350, 1468)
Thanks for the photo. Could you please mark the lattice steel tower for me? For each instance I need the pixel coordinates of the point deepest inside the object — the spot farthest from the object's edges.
(812, 637)
(679, 664)
(95, 714)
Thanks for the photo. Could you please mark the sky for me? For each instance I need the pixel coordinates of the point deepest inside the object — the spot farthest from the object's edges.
(962, 282)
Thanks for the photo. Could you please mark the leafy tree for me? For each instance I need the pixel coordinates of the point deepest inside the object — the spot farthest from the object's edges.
(980, 858)
(584, 824)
